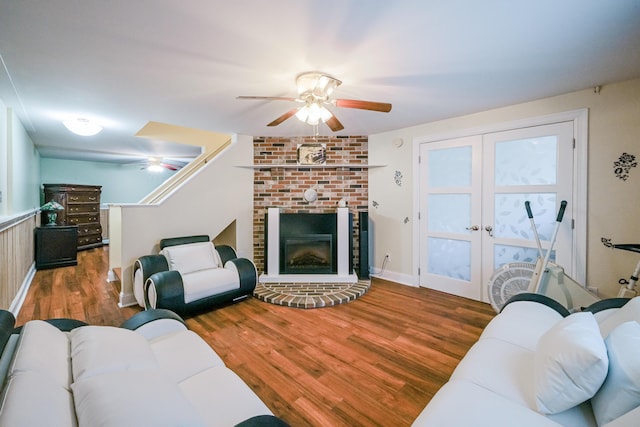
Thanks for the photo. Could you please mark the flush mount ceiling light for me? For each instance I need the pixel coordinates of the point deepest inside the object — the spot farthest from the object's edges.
(82, 126)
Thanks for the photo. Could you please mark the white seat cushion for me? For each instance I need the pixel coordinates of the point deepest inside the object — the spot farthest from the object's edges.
(464, 404)
(184, 354)
(201, 284)
(33, 399)
(227, 403)
(132, 398)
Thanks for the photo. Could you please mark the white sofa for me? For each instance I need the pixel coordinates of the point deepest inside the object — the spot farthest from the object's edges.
(537, 365)
(152, 371)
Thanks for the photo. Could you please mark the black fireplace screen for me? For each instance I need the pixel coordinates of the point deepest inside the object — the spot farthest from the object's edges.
(308, 254)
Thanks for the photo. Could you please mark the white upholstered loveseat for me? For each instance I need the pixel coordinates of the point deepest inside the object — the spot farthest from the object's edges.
(152, 371)
(536, 365)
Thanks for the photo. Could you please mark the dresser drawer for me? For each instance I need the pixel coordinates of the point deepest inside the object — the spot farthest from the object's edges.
(89, 241)
(86, 218)
(83, 208)
(89, 229)
(83, 197)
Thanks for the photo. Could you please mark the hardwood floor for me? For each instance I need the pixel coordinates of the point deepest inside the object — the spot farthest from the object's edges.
(376, 361)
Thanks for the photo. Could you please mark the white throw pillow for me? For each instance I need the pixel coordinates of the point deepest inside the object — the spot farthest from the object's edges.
(191, 257)
(97, 350)
(620, 392)
(570, 363)
(142, 398)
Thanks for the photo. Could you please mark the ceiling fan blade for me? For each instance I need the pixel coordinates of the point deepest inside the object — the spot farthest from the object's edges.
(382, 107)
(169, 166)
(269, 98)
(283, 117)
(334, 124)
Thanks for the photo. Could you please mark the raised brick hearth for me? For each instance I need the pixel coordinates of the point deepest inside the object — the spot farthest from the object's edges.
(310, 295)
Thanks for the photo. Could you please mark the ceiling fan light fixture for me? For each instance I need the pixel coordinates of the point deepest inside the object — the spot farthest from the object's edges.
(313, 113)
(319, 85)
(82, 126)
(154, 165)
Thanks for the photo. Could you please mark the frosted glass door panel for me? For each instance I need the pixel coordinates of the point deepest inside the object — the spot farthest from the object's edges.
(512, 222)
(450, 258)
(449, 213)
(450, 167)
(526, 162)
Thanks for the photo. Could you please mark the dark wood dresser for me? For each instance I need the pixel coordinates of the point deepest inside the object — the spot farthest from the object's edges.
(81, 208)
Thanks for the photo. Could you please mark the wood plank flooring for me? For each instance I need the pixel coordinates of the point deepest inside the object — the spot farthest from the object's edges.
(376, 361)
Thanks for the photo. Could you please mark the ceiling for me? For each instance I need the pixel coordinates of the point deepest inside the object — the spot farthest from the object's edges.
(125, 63)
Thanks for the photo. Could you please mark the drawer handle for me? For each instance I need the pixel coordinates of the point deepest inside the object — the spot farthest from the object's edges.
(92, 198)
(74, 198)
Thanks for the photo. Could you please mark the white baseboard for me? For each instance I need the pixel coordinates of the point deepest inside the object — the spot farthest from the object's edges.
(127, 300)
(404, 279)
(17, 302)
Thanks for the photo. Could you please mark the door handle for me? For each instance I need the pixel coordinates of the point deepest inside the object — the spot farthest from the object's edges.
(489, 229)
(473, 228)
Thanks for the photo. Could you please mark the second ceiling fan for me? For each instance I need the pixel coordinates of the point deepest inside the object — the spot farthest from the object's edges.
(314, 92)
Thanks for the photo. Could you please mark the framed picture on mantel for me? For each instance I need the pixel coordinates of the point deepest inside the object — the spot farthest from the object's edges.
(312, 154)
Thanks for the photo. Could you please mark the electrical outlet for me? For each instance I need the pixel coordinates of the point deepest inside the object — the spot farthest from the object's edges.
(388, 257)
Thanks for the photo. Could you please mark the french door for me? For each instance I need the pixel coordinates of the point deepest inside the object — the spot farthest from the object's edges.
(472, 194)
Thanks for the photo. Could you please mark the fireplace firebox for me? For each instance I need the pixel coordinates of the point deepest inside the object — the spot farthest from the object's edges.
(308, 254)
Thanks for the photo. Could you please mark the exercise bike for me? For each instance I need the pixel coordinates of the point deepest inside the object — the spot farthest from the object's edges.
(543, 277)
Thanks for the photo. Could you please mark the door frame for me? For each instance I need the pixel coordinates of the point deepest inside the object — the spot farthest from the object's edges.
(577, 209)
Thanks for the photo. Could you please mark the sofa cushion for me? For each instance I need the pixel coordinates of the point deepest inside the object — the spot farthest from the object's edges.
(522, 323)
(620, 392)
(53, 362)
(96, 350)
(34, 399)
(191, 257)
(180, 365)
(201, 284)
(461, 403)
(139, 398)
(628, 312)
(570, 363)
(230, 402)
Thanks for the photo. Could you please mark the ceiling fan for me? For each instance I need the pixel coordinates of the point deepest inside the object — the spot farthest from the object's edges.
(314, 92)
(157, 164)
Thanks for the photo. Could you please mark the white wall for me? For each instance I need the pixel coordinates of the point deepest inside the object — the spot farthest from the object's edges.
(120, 183)
(211, 199)
(614, 128)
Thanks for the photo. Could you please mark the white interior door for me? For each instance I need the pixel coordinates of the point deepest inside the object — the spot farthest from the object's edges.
(534, 164)
(472, 194)
(450, 237)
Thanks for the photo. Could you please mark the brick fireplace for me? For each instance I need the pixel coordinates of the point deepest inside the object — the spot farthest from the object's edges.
(275, 186)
